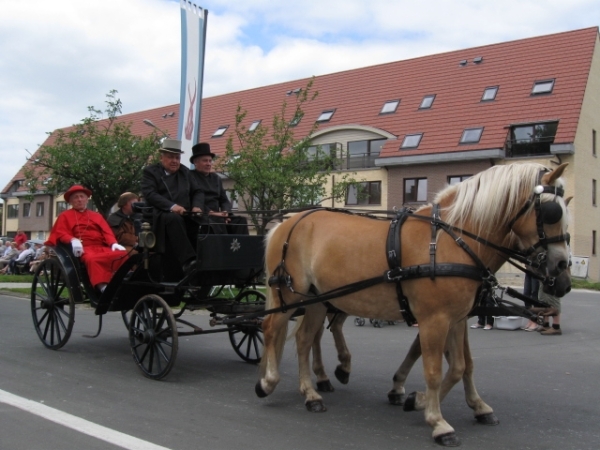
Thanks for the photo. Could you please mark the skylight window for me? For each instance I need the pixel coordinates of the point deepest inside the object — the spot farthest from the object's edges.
(254, 125)
(296, 120)
(427, 102)
(389, 107)
(220, 131)
(411, 140)
(489, 94)
(471, 135)
(542, 87)
(326, 115)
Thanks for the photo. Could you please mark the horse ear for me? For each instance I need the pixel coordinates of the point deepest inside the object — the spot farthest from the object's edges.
(551, 177)
(567, 200)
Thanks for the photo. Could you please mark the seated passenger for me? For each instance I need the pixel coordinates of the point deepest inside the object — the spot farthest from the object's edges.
(172, 191)
(122, 221)
(216, 202)
(90, 237)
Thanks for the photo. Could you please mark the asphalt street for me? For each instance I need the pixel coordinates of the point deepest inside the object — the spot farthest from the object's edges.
(542, 388)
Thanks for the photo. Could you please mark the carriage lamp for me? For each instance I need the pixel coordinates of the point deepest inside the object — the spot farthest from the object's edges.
(146, 238)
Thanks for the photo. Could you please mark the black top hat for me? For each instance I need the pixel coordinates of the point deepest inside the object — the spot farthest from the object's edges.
(201, 149)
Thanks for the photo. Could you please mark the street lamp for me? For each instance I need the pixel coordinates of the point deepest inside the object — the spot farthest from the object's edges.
(150, 124)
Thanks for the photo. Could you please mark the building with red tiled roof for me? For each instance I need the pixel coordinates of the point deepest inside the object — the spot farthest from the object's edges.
(407, 128)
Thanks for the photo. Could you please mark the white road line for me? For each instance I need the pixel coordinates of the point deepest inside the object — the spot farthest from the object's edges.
(83, 426)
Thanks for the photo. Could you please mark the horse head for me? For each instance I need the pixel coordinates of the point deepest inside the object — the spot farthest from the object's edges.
(541, 228)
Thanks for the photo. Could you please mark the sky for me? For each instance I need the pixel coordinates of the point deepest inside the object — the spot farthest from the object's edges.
(59, 57)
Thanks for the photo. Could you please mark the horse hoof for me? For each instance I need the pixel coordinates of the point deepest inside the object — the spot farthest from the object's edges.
(448, 439)
(487, 419)
(259, 390)
(315, 406)
(342, 376)
(396, 399)
(325, 386)
(409, 402)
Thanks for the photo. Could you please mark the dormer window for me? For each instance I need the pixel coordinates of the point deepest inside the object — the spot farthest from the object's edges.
(489, 94)
(220, 131)
(542, 87)
(389, 107)
(326, 115)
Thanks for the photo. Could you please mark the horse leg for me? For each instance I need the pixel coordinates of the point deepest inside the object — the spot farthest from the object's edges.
(311, 326)
(274, 332)
(323, 383)
(342, 371)
(454, 354)
(482, 411)
(396, 395)
(433, 334)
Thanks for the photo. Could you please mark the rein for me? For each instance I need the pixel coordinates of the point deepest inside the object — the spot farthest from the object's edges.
(478, 272)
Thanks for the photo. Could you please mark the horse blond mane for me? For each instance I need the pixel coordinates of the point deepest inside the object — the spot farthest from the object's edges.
(489, 199)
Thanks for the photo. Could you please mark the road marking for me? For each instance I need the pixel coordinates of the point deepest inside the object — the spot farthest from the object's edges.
(78, 424)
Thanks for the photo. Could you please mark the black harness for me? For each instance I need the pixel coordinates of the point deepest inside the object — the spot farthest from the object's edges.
(546, 213)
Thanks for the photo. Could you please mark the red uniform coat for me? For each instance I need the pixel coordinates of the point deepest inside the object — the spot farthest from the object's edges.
(97, 238)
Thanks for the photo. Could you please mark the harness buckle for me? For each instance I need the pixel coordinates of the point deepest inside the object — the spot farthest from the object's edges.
(394, 275)
(432, 248)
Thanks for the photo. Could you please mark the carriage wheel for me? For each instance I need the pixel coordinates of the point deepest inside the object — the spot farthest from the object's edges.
(153, 336)
(52, 304)
(126, 318)
(359, 321)
(247, 339)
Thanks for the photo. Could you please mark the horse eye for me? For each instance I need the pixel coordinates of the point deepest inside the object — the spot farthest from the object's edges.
(551, 212)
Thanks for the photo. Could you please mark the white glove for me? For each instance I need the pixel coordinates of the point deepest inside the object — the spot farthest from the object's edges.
(117, 247)
(77, 247)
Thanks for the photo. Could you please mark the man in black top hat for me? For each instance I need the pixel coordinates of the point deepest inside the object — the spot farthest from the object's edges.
(216, 203)
(171, 189)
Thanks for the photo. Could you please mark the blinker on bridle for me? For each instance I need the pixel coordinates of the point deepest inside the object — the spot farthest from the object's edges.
(548, 213)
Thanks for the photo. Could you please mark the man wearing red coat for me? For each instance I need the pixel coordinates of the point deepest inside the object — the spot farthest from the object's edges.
(90, 236)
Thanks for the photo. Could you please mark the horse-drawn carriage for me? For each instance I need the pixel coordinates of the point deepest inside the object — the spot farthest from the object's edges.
(433, 266)
(147, 289)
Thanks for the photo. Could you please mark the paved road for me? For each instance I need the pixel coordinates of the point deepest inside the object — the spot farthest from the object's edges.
(543, 389)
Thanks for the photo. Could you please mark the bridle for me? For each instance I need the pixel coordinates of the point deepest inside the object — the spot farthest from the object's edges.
(548, 213)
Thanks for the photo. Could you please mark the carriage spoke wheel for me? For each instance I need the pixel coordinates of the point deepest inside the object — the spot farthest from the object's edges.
(153, 336)
(247, 339)
(52, 304)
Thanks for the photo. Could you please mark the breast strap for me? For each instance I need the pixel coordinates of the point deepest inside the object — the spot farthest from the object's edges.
(398, 273)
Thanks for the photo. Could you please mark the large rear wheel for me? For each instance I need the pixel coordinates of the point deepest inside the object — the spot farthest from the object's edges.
(153, 336)
(52, 304)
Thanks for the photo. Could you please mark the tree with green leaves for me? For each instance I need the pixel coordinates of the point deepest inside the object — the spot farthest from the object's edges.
(272, 170)
(101, 154)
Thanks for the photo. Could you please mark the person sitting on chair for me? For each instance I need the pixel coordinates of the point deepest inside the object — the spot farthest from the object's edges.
(216, 202)
(90, 237)
(122, 221)
(24, 258)
(172, 191)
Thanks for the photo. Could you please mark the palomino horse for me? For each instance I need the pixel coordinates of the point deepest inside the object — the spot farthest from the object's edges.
(321, 252)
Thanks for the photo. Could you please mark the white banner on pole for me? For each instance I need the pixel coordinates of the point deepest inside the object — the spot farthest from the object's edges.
(193, 40)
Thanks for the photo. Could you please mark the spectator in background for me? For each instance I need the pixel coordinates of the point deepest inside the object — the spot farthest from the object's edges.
(45, 254)
(2, 247)
(11, 253)
(20, 238)
(26, 255)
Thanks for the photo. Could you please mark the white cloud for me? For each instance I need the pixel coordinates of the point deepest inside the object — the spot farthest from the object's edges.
(60, 57)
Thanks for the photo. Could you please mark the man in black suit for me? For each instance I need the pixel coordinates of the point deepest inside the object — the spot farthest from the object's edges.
(216, 204)
(172, 191)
